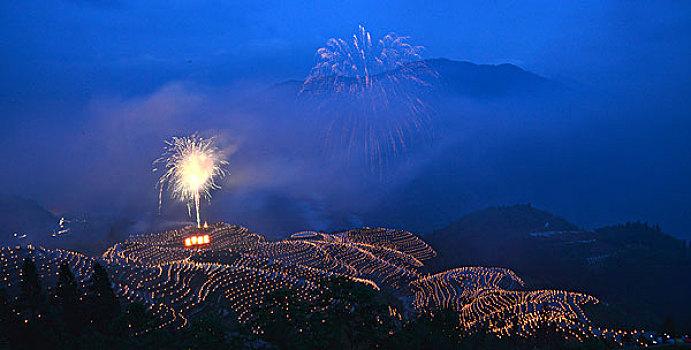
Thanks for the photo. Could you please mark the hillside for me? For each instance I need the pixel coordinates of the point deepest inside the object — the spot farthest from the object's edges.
(634, 268)
(178, 274)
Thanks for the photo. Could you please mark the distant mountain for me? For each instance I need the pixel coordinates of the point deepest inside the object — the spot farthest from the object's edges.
(488, 80)
(491, 236)
(35, 225)
(641, 273)
(510, 221)
(23, 217)
(468, 79)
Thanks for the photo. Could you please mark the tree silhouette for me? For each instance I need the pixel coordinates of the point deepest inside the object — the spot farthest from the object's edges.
(38, 326)
(11, 327)
(135, 319)
(282, 319)
(342, 314)
(351, 315)
(68, 299)
(32, 299)
(103, 304)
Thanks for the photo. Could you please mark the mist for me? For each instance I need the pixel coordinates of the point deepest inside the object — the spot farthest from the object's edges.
(596, 148)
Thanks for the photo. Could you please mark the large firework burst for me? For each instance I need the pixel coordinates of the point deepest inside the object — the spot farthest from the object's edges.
(371, 93)
(191, 166)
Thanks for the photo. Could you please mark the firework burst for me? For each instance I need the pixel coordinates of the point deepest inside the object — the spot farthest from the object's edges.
(373, 90)
(190, 168)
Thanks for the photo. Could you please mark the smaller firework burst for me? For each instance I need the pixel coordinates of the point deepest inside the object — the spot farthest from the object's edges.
(191, 165)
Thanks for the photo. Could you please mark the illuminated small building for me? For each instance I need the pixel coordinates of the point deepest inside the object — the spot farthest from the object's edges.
(197, 240)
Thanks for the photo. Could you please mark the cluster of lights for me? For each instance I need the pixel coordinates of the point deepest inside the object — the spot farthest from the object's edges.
(241, 268)
(484, 298)
(47, 262)
(402, 241)
(197, 240)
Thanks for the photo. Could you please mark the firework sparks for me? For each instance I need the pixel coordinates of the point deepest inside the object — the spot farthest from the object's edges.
(191, 166)
(374, 91)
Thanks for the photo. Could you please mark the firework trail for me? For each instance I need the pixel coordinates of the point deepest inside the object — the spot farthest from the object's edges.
(190, 167)
(373, 91)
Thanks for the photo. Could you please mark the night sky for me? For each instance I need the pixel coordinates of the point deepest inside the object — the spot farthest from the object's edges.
(89, 89)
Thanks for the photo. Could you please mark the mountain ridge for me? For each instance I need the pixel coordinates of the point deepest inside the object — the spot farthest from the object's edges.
(465, 78)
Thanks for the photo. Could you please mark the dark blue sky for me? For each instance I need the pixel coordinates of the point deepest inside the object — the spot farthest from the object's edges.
(128, 45)
(85, 84)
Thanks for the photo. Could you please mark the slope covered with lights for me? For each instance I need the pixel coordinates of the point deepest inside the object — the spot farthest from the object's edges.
(239, 269)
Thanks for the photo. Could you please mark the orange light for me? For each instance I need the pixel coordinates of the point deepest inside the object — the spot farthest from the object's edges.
(197, 240)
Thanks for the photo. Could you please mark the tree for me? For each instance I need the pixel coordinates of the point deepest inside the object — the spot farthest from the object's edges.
(32, 299)
(103, 304)
(281, 319)
(134, 320)
(68, 299)
(38, 323)
(439, 329)
(684, 250)
(11, 327)
(207, 332)
(342, 314)
(351, 315)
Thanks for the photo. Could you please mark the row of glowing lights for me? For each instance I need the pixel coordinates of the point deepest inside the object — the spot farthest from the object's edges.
(169, 279)
(485, 276)
(197, 240)
(528, 320)
(569, 318)
(204, 239)
(401, 240)
(139, 249)
(243, 307)
(148, 250)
